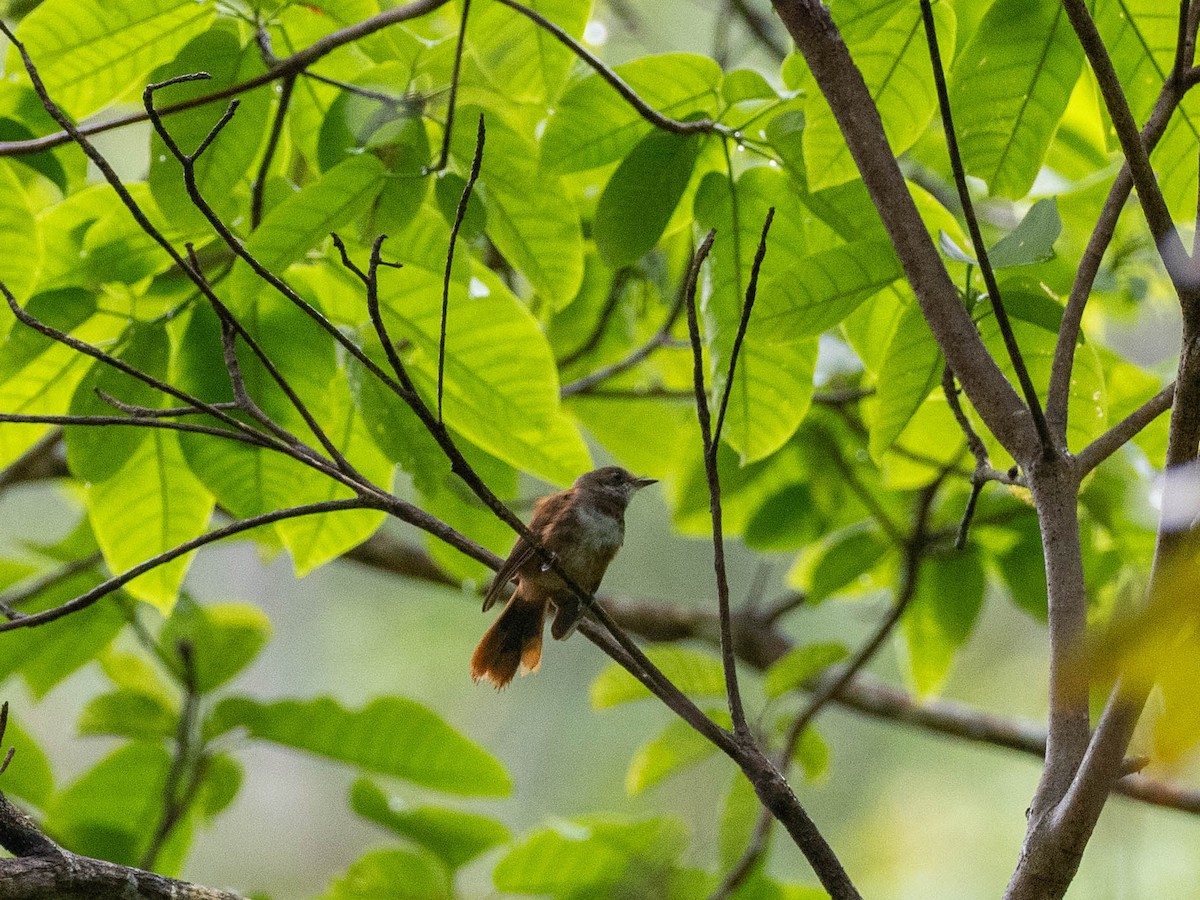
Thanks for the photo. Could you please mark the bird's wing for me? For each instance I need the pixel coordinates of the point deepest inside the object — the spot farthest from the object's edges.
(547, 510)
(518, 557)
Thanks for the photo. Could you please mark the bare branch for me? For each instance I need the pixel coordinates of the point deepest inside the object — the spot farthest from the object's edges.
(10, 602)
(645, 110)
(460, 213)
(1124, 431)
(1158, 217)
(290, 65)
(260, 180)
(728, 659)
(818, 39)
(615, 291)
(448, 131)
(661, 338)
(118, 581)
(743, 324)
(981, 253)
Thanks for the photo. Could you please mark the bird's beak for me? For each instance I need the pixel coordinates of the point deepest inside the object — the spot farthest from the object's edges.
(640, 483)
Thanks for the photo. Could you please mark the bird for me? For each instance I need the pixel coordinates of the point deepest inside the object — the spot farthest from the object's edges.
(582, 529)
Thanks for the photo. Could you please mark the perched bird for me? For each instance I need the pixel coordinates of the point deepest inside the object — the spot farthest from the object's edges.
(583, 528)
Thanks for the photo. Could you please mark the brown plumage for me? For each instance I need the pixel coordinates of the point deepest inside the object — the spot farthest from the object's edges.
(583, 527)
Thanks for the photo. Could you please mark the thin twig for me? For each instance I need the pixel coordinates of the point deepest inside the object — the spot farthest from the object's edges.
(291, 65)
(660, 338)
(459, 215)
(1124, 431)
(96, 353)
(136, 422)
(915, 550)
(978, 450)
(118, 581)
(1154, 206)
(177, 797)
(981, 253)
(728, 659)
(10, 602)
(615, 292)
(644, 109)
(455, 72)
(743, 324)
(260, 180)
(188, 162)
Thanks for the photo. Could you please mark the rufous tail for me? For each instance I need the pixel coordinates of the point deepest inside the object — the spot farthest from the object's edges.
(513, 642)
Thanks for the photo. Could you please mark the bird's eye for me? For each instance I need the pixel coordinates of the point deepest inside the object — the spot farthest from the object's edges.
(615, 478)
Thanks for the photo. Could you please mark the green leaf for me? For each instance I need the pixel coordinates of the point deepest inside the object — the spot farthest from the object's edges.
(505, 402)
(912, 368)
(1087, 399)
(746, 84)
(642, 195)
(399, 874)
(128, 714)
(221, 169)
(111, 810)
(454, 837)
(677, 747)
(824, 289)
(45, 656)
(676, 84)
(90, 53)
(28, 776)
(391, 736)
(812, 754)
(1022, 568)
(801, 664)
(1032, 241)
(1009, 88)
(224, 637)
(693, 672)
(940, 618)
(20, 236)
(96, 454)
(135, 673)
(530, 216)
(1029, 301)
(46, 162)
(220, 785)
(305, 219)
(39, 375)
(888, 44)
(839, 560)
(592, 858)
(521, 59)
(318, 539)
(738, 817)
(151, 505)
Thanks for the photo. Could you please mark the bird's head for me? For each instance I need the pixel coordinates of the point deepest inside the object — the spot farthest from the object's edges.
(613, 481)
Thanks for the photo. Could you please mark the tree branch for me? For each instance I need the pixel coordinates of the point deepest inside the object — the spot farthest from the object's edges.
(42, 870)
(840, 81)
(728, 660)
(285, 67)
(1158, 217)
(981, 253)
(1124, 431)
(644, 109)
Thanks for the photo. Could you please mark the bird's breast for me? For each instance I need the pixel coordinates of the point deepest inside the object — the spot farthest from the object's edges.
(599, 530)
